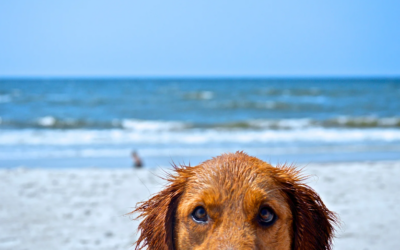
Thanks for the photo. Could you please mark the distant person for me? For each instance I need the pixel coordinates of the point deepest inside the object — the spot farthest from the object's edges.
(137, 162)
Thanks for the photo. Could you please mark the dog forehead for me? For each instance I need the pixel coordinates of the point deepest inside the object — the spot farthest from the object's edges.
(234, 186)
(232, 172)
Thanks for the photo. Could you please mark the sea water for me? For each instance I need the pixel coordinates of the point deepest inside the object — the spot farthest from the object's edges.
(99, 122)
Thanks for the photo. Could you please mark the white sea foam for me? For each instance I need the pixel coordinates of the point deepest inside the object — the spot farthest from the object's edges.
(142, 125)
(47, 121)
(195, 136)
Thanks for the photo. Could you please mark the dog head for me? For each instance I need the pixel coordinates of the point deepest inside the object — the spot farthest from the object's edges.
(235, 201)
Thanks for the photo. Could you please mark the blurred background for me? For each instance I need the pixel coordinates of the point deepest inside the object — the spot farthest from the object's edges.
(87, 83)
(84, 85)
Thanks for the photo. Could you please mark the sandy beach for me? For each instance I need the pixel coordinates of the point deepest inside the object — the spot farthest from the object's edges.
(85, 208)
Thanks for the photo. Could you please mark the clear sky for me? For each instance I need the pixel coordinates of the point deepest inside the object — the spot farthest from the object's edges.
(254, 38)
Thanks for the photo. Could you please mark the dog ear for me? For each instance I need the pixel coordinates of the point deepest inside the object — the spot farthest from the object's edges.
(313, 223)
(158, 213)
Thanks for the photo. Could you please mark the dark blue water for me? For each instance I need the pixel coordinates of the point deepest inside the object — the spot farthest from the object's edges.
(303, 120)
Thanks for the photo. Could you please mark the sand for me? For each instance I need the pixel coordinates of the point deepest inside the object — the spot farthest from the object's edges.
(84, 208)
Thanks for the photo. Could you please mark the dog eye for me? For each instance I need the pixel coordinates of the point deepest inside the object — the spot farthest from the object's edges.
(266, 216)
(199, 215)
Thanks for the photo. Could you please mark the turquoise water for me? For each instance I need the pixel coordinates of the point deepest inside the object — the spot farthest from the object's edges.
(81, 123)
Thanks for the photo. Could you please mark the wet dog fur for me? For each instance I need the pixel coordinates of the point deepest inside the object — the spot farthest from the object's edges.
(225, 202)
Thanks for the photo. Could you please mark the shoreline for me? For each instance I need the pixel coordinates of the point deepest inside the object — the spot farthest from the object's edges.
(84, 208)
(152, 163)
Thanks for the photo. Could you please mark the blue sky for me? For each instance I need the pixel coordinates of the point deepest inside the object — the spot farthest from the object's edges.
(254, 38)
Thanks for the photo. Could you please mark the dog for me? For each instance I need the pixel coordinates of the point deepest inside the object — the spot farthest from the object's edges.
(235, 201)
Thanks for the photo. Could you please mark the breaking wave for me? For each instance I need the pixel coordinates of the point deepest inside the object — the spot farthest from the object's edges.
(194, 136)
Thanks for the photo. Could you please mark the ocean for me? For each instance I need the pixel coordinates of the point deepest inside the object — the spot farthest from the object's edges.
(56, 123)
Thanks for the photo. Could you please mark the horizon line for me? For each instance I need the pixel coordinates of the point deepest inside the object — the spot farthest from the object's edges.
(199, 77)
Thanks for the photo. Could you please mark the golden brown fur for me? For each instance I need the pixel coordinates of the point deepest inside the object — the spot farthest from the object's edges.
(239, 194)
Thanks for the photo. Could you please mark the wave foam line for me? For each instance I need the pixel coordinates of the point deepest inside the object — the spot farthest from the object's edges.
(194, 136)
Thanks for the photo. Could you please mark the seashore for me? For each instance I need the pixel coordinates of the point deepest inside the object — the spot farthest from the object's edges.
(86, 208)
